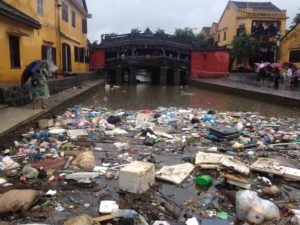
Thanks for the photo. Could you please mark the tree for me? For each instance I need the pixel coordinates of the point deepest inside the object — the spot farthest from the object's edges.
(296, 19)
(185, 33)
(135, 31)
(188, 33)
(92, 45)
(160, 31)
(244, 48)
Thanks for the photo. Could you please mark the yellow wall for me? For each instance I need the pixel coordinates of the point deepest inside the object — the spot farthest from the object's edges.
(213, 33)
(227, 23)
(290, 42)
(31, 39)
(7, 74)
(233, 17)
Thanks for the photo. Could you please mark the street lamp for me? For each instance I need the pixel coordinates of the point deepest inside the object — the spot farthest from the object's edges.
(277, 44)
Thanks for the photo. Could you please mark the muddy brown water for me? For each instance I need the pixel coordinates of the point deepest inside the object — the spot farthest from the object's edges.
(143, 96)
(164, 201)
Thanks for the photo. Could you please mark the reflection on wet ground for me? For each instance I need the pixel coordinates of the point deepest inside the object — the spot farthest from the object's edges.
(144, 96)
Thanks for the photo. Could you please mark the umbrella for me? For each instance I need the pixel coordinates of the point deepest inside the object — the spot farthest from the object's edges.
(29, 70)
(289, 64)
(262, 65)
(276, 65)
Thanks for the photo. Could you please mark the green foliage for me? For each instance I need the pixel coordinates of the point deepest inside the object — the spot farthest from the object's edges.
(135, 31)
(296, 19)
(92, 45)
(160, 31)
(188, 33)
(244, 46)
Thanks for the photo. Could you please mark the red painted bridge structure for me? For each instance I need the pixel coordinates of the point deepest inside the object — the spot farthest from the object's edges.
(166, 59)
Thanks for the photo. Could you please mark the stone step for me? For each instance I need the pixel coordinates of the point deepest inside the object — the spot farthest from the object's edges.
(3, 106)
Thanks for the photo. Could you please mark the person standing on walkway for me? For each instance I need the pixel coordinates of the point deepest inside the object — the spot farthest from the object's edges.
(289, 75)
(276, 75)
(39, 89)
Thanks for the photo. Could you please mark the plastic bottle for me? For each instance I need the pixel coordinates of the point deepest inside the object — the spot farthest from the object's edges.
(204, 180)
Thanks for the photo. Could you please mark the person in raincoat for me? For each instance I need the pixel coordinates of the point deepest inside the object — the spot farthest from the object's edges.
(38, 88)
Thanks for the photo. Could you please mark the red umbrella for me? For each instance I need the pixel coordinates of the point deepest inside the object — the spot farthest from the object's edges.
(289, 64)
(276, 65)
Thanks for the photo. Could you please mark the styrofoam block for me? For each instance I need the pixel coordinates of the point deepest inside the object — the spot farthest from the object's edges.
(108, 206)
(137, 177)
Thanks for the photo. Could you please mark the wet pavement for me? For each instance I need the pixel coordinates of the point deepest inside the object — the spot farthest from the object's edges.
(10, 116)
(247, 82)
(14, 117)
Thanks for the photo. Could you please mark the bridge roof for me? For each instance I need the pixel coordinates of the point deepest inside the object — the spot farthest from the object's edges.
(140, 39)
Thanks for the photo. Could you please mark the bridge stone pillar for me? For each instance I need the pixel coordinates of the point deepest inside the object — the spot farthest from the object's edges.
(177, 76)
(132, 76)
(163, 75)
(119, 75)
(133, 53)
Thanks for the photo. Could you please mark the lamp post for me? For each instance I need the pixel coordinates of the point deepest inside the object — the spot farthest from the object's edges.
(277, 44)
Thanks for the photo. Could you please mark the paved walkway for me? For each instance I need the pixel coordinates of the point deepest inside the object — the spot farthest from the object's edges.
(248, 82)
(13, 117)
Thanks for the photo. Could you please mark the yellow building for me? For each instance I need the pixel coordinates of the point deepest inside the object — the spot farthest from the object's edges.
(262, 20)
(213, 33)
(54, 30)
(289, 50)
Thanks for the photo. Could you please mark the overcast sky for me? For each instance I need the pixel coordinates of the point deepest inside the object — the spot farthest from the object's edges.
(120, 16)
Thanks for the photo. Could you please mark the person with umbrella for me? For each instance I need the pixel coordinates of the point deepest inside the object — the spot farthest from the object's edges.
(276, 73)
(38, 86)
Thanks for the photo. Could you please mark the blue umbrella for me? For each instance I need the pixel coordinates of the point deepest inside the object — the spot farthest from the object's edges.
(29, 70)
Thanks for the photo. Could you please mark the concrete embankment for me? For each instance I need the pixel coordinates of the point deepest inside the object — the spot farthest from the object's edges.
(287, 97)
(16, 120)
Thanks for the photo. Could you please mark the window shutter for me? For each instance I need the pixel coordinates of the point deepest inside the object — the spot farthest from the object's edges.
(81, 54)
(54, 55)
(84, 26)
(44, 52)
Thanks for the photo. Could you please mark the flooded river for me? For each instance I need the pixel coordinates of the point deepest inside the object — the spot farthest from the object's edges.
(143, 96)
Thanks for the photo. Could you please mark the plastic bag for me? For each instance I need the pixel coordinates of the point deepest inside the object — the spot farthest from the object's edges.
(253, 209)
(85, 160)
(15, 200)
(81, 220)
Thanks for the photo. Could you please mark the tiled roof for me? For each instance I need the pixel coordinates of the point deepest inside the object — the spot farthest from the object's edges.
(257, 6)
(15, 14)
(206, 29)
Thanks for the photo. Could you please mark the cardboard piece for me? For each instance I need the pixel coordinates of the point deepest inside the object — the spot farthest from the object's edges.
(74, 133)
(237, 180)
(267, 165)
(175, 174)
(235, 165)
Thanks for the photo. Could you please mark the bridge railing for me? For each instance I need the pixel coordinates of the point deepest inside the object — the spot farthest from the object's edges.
(136, 38)
(147, 59)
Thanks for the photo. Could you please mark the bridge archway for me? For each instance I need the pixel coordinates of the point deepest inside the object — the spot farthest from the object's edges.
(126, 75)
(155, 75)
(183, 77)
(170, 79)
(111, 77)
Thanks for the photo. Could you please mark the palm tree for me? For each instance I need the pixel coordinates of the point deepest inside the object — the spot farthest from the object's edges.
(244, 48)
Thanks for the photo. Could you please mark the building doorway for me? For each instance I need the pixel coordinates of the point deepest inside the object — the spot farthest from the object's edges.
(66, 57)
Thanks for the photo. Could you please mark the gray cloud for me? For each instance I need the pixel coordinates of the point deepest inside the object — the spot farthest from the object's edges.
(120, 16)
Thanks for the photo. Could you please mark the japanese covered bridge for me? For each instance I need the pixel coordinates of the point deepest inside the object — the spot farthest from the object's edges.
(156, 58)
